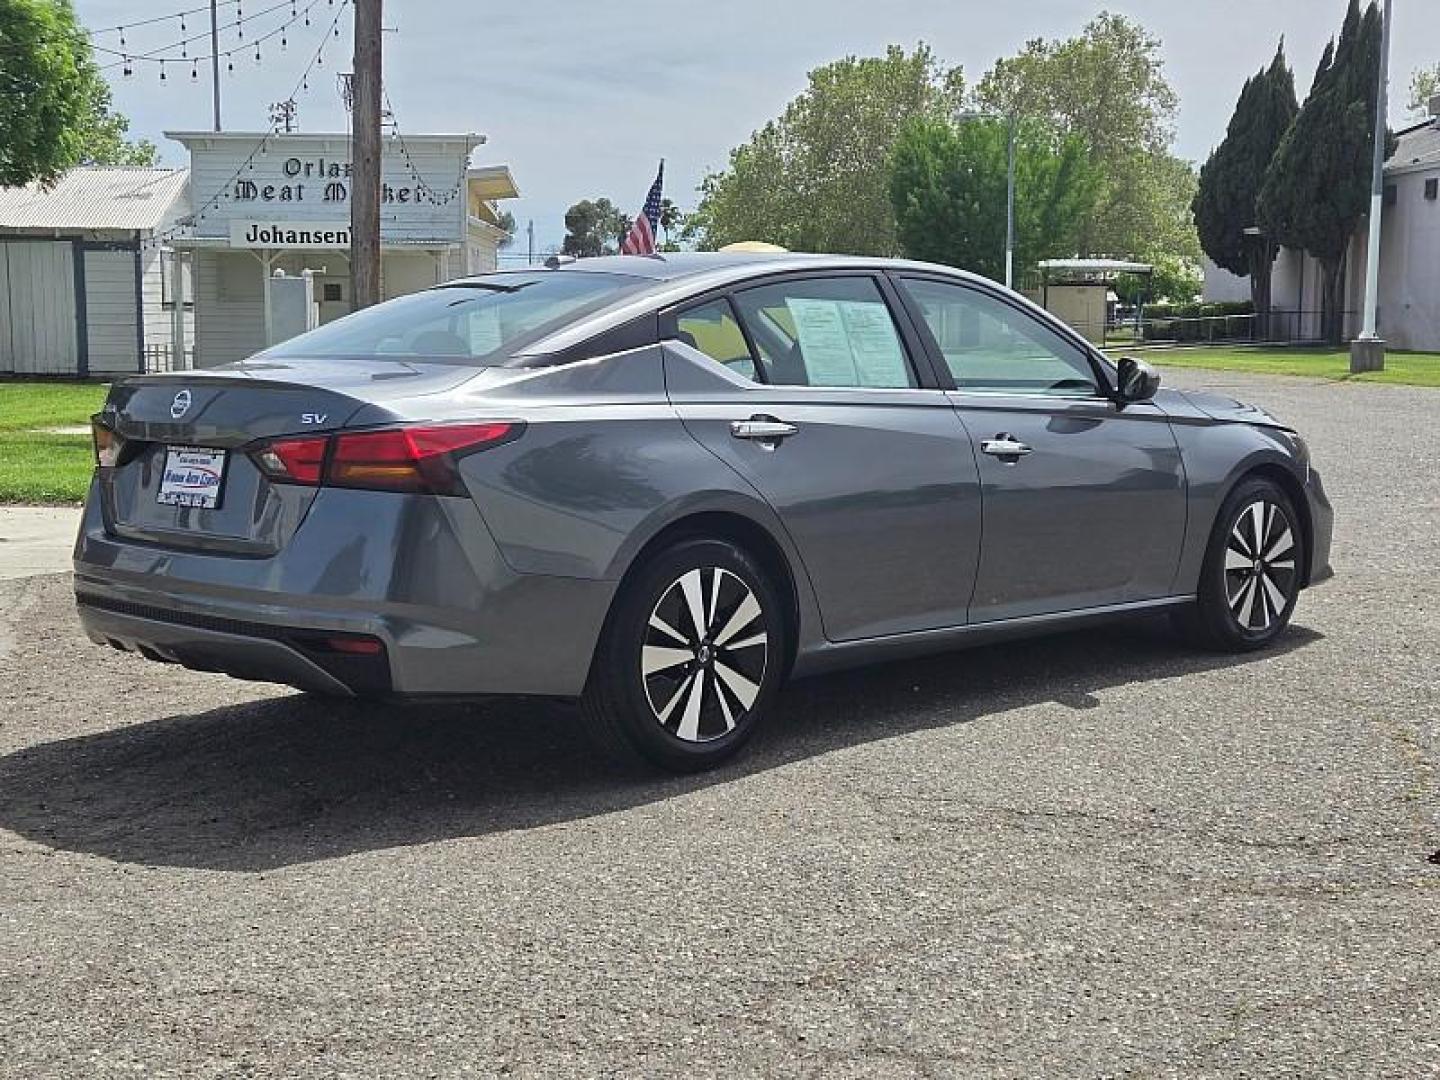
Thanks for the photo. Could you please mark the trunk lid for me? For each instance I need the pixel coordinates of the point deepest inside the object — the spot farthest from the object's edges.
(227, 409)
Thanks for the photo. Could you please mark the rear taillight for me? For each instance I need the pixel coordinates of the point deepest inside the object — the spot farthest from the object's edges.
(418, 459)
(297, 461)
(108, 445)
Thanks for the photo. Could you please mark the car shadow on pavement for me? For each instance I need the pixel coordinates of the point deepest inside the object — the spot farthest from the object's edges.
(295, 779)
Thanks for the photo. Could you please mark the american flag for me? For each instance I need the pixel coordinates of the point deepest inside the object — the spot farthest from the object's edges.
(641, 238)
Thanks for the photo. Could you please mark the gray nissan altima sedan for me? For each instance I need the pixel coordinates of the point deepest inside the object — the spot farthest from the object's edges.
(665, 484)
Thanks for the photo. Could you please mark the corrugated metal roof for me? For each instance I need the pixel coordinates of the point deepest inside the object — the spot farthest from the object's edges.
(96, 197)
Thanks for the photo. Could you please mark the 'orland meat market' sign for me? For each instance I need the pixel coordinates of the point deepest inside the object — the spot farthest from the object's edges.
(302, 183)
(326, 180)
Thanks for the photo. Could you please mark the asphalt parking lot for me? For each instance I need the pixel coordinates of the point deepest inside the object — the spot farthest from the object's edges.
(1091, 856)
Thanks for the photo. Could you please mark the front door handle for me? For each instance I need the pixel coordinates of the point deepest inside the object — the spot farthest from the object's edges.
(765, 429)
(1005, 447)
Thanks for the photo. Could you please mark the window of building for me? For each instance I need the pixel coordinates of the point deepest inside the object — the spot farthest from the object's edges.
(1390, 196)
(1432, 187)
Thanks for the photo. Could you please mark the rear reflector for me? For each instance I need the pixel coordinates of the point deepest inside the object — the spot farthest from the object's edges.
(356, 646)
(416, 459)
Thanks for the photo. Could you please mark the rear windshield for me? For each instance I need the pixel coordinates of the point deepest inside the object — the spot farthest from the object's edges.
(479, 321)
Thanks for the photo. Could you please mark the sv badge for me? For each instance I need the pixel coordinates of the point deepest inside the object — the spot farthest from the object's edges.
(314, 417)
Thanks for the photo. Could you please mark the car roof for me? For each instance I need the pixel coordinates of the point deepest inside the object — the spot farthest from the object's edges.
(676, 265)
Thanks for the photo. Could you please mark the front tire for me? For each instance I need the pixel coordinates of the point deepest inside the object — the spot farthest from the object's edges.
(690, 659)
(1251, 577)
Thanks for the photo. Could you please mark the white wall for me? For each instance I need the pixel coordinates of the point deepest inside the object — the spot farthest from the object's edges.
(1223, 287)
(37, 308)
(1409, 313)
(229, 307)
(404, 272)
(111, 333)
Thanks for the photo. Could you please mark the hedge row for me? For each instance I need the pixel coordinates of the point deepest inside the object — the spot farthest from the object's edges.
(1198, 311)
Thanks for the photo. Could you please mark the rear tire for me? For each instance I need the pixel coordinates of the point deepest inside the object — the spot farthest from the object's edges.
(690, 659)
(1251, 577)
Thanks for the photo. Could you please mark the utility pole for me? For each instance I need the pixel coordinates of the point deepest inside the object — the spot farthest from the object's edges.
(1367, 352)
(530, 247)
(1010, 210)
(365, 141)
(1013, 120)
(215, 59)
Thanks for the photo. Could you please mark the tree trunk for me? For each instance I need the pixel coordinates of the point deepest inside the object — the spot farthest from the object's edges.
(1332, 290)
(1262, 267)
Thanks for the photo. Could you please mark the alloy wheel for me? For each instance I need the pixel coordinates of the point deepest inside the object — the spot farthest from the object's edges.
(1260, 570)
(705, 653)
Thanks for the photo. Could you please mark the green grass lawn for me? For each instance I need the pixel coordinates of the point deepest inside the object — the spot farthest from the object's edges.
(1408, 368)
(25, 406)
(37, 466)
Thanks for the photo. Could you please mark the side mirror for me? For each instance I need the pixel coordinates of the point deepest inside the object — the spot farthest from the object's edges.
(1138, 380)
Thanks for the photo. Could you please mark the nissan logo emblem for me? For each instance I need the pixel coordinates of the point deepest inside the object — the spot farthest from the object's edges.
(180, 405)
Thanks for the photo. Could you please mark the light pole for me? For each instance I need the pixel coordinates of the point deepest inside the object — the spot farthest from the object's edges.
(1010, 119)
(1367, 352)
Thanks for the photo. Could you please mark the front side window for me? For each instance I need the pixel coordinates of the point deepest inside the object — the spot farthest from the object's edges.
(990, 345)
(711, 328)
(480, 321)
(825, 332)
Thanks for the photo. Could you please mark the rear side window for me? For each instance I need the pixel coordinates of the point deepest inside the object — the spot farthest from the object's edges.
(712, 328)
(825, 332)
(480, 322)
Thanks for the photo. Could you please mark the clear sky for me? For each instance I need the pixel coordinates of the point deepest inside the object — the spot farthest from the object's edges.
(581, 97)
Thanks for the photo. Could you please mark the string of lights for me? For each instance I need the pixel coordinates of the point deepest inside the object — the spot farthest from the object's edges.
(163, 54)
(180, 15)
(223, 192)
(422, 186)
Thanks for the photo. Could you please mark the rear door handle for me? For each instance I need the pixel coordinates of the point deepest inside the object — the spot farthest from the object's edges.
(762, 429)
(1006, 448)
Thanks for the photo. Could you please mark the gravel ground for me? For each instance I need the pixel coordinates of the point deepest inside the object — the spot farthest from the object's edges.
(1095, 855)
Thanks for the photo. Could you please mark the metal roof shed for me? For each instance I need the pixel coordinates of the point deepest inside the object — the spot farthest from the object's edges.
(81, 291)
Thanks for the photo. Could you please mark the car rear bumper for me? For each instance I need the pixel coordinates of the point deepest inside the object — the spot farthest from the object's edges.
(418, 574)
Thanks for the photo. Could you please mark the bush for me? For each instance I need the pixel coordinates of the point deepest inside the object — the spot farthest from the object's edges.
(1198, 322)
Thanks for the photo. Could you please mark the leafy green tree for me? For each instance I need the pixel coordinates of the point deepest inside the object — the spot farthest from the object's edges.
(672, 220)
(1317, 188)
(594, 227)
(1173, 280)
(1424, 85)
(57, 107)
(1225, 205)
(948, 190)
(1108, 86)
(817, 178)
(506, 220)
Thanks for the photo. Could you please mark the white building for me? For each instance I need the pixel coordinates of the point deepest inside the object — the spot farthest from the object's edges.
(263, 203)
(1409, 309)
(117, 270)
(84, 289)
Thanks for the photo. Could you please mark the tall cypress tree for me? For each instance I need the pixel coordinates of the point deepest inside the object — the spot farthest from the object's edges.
(1225, 204)
(1317, 188)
